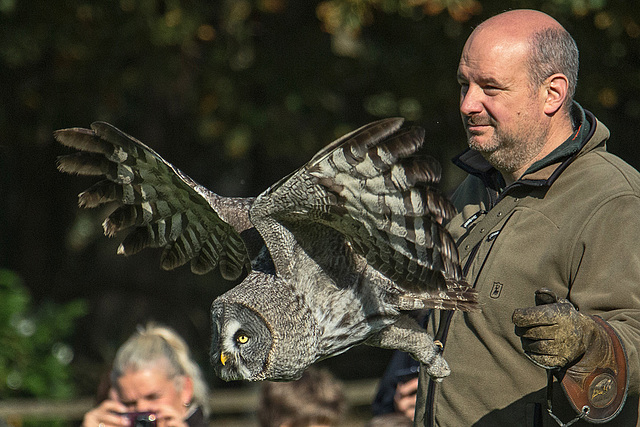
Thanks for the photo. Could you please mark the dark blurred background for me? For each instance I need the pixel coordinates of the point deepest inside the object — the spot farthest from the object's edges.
(236, 93)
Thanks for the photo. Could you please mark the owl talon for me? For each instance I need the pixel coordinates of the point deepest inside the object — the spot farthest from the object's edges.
(438, 368)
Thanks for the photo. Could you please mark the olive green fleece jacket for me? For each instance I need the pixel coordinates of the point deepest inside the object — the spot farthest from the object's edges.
(571, 224)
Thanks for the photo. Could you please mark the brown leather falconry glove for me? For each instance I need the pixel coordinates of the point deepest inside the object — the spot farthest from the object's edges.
(585, 352)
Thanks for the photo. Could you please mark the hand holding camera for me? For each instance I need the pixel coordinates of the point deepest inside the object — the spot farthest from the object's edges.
(142, 419)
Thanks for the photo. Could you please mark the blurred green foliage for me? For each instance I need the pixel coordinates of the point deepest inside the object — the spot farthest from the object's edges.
(236, 93)
(35, 353)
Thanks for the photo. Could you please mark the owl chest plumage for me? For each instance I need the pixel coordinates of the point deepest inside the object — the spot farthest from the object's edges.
(341, 292)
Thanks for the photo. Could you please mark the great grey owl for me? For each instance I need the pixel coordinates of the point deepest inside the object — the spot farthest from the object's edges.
(336, 253)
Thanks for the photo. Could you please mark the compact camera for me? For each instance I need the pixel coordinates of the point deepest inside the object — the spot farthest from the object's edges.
(141, 419)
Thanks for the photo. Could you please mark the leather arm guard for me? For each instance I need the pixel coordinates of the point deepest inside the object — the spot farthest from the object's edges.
(598, 381)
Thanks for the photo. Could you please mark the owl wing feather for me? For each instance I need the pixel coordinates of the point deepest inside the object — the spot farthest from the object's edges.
(372, 187)
(164, 207)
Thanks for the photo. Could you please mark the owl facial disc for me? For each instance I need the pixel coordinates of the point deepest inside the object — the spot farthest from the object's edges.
(241, 342)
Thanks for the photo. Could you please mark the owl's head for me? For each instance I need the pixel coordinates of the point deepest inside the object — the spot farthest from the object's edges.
(241, 342)
(262, 329)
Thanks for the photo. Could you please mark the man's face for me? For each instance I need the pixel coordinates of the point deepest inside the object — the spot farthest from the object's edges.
(501, 111)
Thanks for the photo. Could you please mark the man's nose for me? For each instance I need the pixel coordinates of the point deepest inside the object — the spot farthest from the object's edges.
(470, 100)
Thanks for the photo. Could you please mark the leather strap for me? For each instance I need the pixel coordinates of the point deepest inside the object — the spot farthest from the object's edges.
(485, 224)
(467, 247)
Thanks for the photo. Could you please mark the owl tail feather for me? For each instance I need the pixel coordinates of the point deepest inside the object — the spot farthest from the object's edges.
(457, 296)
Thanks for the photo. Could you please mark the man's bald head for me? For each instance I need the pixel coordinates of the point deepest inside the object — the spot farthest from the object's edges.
(522, 22)
(517, 74)
(550, 48)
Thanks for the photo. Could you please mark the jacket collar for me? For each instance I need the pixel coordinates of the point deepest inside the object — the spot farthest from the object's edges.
(589, 134)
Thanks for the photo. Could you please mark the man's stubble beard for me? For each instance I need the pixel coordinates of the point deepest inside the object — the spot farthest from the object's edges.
(510, 151)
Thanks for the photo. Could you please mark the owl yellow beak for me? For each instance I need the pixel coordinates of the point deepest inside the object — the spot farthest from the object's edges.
(223, 357)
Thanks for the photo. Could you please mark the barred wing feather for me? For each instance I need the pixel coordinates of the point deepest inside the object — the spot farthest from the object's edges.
(373, 188)
(165, 207)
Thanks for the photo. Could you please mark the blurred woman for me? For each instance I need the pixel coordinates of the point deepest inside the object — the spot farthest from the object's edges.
(153, 372)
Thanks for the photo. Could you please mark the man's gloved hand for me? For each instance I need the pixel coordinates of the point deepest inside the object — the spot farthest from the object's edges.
(586, 351)
(554, 333)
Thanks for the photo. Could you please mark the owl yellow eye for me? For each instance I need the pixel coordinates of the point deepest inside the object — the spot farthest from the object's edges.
(242, 338)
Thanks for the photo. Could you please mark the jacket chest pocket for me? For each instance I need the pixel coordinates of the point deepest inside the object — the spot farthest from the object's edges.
(520, 252)
(479, 252)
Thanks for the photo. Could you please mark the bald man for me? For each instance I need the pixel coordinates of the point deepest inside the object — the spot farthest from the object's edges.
(548, 233)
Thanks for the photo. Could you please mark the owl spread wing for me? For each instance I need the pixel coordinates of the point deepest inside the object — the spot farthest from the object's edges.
(164, 207)
(372, 187)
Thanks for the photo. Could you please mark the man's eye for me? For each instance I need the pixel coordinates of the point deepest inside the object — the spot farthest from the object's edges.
(491, 90)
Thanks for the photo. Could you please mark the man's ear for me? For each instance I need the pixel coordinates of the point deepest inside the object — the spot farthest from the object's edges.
(556, 92)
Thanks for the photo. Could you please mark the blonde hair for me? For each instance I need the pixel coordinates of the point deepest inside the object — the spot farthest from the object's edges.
(153, 344)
